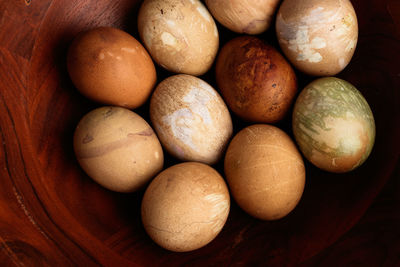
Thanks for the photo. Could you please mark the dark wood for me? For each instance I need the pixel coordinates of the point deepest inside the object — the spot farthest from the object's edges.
(52, 214)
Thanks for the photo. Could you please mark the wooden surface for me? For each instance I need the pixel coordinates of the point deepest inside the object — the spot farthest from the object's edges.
(52, 214)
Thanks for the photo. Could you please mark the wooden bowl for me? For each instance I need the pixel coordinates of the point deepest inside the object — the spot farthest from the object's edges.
(52, 214)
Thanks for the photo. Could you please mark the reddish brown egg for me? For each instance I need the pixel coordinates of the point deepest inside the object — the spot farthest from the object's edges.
(109, 66)
(255, 80)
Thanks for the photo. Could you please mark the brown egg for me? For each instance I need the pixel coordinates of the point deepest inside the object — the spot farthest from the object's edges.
(244, 16)
(117, 148)
(191, 119)
(109, 66)
(265, 171)
(181, 35)
(185, 207)
(318, 37)
(255, 80)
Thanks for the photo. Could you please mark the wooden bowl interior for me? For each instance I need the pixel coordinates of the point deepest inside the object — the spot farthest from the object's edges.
(66, 217)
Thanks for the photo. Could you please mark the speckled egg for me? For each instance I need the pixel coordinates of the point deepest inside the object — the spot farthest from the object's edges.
(180, 35)
(318, 37)
(190, 118)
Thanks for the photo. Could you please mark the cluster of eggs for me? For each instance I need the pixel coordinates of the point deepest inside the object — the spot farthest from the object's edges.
(185, 206)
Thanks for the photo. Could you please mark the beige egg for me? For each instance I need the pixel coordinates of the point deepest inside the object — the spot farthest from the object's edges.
(244, 16)
(191, 119)
(318, 37)
(180, 35)
(265, 171)
(185, 206)
(109, 66)
(117, 148)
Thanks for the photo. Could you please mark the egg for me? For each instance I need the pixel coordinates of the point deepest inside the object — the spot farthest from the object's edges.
(110, 66)
(191, 119)
(318, 37)
(265, 171)
(180, 35)
(117, 148)
(333, 125)
(255, 80)
(185, 207)
(245, 16)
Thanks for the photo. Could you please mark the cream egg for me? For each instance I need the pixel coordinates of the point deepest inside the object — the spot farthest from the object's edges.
(117, 148)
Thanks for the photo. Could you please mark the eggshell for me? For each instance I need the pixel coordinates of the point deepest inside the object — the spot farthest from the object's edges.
(180, 35)
(191, 119)
(185, 206)
(117, 148)
(333, 125)
(256, 82)
(318, 37)
(109, 66)
(265, 172)
(244, 16)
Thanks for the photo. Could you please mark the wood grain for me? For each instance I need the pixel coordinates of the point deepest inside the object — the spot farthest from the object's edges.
(52, 214)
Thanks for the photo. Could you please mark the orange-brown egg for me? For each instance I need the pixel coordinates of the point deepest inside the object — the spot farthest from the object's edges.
(110, 66)
(265, 171)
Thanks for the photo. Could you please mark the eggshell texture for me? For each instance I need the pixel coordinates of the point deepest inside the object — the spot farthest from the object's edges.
(244, 16)
(265, 172)
(255, 80)
(180, 35)
(117, 148)
(191, 119)
(333, 125)
(318, 37)
(185, 206)
(109, 66)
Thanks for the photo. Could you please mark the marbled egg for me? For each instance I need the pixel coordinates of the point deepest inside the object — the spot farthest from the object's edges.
(333, 125)
(180, 35)
(190, 118)
(117, 148)
(318, 37)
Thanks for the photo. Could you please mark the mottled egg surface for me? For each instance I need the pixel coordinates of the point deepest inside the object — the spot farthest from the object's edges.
(191, 119)
(318, 37)
(180, 35)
